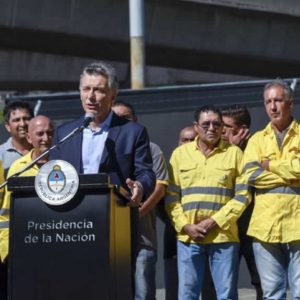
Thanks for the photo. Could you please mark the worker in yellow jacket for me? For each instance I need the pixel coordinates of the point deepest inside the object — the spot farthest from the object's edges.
(272, 168)
(205, 198)
(40, 133)
(2, 179)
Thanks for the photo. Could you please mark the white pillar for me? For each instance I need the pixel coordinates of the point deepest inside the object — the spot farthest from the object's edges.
(137, 49)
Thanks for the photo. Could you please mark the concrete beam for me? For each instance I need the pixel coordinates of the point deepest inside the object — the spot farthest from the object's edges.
(286, 7)
(23, 70)
(179, 35)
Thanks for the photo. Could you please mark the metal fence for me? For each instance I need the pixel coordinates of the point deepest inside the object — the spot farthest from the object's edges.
(160, 100)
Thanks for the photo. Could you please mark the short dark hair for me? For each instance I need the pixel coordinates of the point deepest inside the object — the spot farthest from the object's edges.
(104, 69)
(14, 105)
(207, 108)
(127, 105)
(131, 113)
(288, 91)
(239, 113)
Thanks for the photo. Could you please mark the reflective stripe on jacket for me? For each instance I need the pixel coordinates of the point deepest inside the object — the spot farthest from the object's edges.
(202, 187)
(16, 166)
(276, 214)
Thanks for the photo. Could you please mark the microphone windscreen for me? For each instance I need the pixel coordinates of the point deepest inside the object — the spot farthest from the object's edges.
(88, 118)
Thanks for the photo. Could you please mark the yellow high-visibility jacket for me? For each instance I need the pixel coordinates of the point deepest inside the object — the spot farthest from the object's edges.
(202, 187)
(2, 179)
(15, 167)
(276, 214)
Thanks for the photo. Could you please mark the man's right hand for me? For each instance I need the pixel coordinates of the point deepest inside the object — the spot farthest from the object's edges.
(136, 192)
(194, 231)
(239, 138)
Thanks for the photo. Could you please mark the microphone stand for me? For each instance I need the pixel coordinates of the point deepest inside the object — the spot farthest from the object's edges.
(43, 154)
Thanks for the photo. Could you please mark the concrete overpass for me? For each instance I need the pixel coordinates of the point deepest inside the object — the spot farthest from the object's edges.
(44, 44)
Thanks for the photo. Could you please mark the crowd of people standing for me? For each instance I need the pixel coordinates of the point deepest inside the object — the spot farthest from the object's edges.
(226, 193)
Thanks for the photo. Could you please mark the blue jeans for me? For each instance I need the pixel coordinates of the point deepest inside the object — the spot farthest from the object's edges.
(171, 278)
(277, 263)
(223, 261)
(145, 287)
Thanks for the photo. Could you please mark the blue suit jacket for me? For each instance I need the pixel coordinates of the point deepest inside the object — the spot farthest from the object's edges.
(126, 153)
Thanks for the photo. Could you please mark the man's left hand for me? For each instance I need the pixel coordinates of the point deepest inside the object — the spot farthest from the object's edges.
(265, 164)
(207, 224)
(136, 192)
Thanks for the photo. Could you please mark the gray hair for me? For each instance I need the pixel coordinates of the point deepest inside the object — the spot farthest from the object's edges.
(103, 69)
(288, 91)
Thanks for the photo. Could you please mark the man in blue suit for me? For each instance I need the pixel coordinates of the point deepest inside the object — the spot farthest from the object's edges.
(110, 144)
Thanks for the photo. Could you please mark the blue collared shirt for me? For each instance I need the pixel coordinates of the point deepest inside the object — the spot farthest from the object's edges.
(93, 145)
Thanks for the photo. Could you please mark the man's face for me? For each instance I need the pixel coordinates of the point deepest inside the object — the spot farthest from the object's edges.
(123, 111)
(187, 135)
(229, 128)
(40, 134)
(209, 128)
(17, 125)
(96, 96)
(278, 107)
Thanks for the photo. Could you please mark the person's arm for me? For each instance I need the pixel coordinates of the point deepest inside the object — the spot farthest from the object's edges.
(255, 174)
(161, 174)
(232, 210)
(173, 198)
(143, 173)
(198, 231)
(4, 212)
(2, 179)
(286, 169)
(153, 199)
(4, 217)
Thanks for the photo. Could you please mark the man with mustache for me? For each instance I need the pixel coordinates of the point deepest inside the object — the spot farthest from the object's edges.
(206, 196)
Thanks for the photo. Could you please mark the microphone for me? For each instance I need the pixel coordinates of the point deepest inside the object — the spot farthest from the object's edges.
(88, 118)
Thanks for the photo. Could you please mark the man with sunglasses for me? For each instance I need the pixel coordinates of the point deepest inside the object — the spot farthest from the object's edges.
(205, 198)
(236, 130)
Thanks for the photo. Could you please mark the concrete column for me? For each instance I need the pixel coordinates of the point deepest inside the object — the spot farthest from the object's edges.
(137, 49)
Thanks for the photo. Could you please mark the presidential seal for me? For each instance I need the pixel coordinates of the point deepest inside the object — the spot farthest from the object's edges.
(56, 182)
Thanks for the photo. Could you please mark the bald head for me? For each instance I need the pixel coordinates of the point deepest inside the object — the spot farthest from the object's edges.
(40, 133)
(187, 134)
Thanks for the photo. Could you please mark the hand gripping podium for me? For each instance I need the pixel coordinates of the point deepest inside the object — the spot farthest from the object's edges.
(80, 250)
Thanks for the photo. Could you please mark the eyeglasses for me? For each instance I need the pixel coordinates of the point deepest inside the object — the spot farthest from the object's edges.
(214, 124)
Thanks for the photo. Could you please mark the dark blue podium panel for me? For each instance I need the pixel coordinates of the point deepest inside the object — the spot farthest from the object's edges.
(64, 252)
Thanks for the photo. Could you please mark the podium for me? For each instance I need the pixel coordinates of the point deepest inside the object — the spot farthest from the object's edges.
(80, 250)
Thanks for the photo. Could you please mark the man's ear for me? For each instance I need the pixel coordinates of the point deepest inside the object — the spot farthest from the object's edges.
(28, 138)
(195, 124)
(113, 97)
(7, 126)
